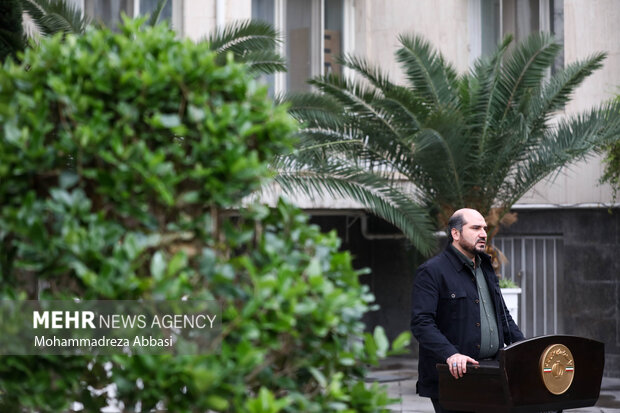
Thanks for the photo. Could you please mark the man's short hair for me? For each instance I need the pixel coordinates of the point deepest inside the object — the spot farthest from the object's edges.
(456, 221)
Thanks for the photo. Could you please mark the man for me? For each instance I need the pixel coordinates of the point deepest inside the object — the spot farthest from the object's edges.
(458, 315)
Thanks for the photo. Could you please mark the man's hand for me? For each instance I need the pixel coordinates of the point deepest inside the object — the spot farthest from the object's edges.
(457, 363)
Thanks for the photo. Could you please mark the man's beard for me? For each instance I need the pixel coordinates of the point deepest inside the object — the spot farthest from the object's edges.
(472, 249)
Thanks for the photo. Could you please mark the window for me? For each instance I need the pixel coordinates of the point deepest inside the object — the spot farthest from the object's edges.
(109, 12)
(314, 35)
(497, 18)
(302, 42)
(147, 7)
(334, 31)
(265, 10)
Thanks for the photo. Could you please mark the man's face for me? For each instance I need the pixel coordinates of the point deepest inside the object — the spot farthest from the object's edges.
(473, 238)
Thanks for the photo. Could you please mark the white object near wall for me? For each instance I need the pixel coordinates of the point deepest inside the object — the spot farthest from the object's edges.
(511, 298)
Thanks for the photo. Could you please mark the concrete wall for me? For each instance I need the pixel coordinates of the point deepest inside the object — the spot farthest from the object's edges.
(589, 26)
(199, 17)
(443, 23)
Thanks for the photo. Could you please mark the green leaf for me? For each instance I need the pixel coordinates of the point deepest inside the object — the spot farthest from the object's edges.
(402, 341)
(158, 265)
(169, 120)
(318, 376)
(67, 179)
(11, 133)
(381, 341)
(178, 262)
(216, 402)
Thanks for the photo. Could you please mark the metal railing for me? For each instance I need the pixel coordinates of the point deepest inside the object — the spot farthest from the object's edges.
(534, 264)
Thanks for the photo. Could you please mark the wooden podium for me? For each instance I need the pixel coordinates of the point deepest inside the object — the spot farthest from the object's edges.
(547, 373)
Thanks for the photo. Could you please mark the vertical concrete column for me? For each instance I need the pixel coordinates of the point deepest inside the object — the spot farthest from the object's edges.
(591, 26)
(198, 18)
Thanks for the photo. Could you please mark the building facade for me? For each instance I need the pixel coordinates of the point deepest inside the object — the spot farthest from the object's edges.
(563, 250)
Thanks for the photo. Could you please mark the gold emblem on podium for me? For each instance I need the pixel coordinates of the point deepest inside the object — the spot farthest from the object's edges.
(557, 368)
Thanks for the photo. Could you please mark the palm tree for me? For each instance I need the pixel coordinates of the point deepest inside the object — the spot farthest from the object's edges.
(481, 139)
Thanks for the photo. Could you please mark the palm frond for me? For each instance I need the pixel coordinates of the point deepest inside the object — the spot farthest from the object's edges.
(401, 101)
(313, 109)
(316, 153)
(54, 16)
(387, 203)
(354, 95)
(250, 41)
(243, 36)
(263, 61)
(407, 111)
(156, 14)
(326, 142)
(34, 11)
(572, 140)
(32, 30)
(484, 81)
(526, 67)
(557, 92)
(427, 70)
(368, 71)
(360, 99)
(438, 164)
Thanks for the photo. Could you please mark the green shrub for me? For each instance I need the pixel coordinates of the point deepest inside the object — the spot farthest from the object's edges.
(611, 174)
(119, 153)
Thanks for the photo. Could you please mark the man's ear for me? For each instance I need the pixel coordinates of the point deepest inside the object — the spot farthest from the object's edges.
(456, 235)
